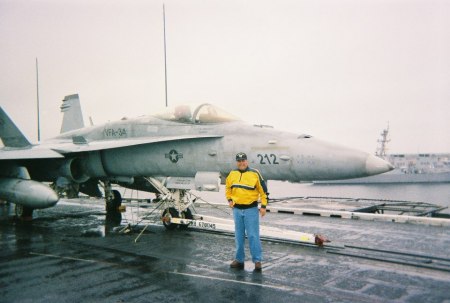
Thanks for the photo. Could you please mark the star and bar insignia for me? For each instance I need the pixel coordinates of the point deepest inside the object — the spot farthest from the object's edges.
(174, 156)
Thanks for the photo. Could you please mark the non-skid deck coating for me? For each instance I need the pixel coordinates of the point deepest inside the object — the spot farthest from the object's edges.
(69, 254)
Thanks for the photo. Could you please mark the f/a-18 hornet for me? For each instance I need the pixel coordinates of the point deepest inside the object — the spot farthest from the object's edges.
(186, 147)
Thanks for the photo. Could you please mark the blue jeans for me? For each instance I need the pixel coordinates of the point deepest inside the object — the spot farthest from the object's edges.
(246, 221)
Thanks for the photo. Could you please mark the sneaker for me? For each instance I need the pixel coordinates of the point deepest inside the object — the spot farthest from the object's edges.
(237, 264)
(258, 266)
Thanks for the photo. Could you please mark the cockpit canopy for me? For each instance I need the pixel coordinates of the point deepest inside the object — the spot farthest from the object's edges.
(199, 114)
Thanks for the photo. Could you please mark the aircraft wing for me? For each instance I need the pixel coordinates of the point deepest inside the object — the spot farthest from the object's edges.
(79, 145)
(58, 149)
(28, 153)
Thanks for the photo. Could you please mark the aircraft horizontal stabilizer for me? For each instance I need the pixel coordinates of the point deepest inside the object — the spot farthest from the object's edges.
(9, 133)
(28, 153)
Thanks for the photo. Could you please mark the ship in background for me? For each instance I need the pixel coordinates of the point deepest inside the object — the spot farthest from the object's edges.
(408, 168)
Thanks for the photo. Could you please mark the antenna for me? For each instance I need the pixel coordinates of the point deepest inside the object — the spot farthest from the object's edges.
(165, 56)
(381, 150)
(37, 96)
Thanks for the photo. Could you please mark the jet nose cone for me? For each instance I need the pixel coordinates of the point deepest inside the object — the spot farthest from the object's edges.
(375, 165)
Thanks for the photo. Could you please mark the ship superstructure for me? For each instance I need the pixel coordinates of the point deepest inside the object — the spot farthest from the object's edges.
(408, 168)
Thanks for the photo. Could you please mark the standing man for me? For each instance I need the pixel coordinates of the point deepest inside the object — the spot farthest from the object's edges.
(244, 187)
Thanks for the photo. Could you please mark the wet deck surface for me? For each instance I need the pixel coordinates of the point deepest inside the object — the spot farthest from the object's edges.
(70, 253)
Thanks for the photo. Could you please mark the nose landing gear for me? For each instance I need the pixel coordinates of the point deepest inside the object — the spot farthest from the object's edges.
(176, 205)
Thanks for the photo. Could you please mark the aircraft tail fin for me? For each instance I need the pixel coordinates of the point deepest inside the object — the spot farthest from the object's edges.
(9, 133)
(73, 117)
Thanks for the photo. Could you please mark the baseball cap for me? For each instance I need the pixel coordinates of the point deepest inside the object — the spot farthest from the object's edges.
(241, 156)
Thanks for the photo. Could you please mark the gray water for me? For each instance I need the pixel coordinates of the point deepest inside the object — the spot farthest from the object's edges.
(436, 193)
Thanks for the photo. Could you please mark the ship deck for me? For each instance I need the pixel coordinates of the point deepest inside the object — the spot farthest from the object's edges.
(73, 252)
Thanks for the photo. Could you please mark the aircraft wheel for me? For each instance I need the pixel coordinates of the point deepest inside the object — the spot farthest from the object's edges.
(24, 213)
(115, 202)
(72, 192)
(112, 220)
(167, 216)
(187, 214)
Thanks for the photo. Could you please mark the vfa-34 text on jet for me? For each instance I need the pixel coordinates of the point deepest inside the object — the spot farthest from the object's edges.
(187, 147)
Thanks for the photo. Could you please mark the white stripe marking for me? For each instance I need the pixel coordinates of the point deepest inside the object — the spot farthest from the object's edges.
(284, 288)
(69, 258)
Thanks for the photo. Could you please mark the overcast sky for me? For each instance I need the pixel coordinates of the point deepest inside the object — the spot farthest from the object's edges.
(338, 70)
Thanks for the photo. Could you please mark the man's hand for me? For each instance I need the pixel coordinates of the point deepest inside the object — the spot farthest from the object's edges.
(231, 203)
(262, 212)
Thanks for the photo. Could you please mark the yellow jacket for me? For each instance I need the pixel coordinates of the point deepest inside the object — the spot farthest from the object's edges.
(246, 187)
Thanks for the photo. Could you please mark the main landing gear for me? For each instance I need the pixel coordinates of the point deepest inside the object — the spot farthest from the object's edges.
(24, 213)
(113, 198)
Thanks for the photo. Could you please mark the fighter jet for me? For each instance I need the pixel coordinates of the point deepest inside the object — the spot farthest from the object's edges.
(186, 147)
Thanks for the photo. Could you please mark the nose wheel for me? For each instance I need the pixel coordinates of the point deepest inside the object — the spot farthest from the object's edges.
(170, 213)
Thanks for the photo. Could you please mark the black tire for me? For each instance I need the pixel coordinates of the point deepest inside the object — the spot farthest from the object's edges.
(115, 202)
(187, 214)
(168, 214)
(72, 191)
(23, 212)
(112, 220)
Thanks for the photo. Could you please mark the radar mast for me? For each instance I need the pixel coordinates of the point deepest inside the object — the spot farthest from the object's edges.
(382, 148)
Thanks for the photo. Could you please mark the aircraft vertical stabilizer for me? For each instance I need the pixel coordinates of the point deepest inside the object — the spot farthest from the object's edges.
(73, 117)
(9, 133)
